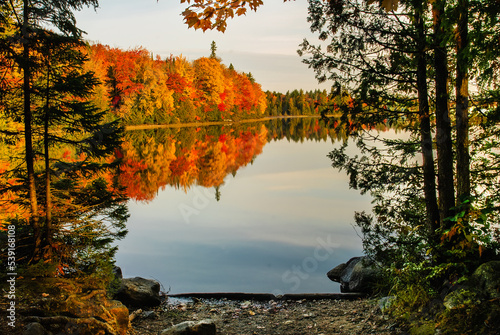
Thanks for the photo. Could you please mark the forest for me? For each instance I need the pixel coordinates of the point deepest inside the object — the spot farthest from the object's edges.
(140, 90)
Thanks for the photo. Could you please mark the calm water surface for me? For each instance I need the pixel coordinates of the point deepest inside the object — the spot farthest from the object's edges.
(280, 224)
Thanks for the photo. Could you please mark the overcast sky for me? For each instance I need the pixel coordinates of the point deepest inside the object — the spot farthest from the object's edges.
(264, 43)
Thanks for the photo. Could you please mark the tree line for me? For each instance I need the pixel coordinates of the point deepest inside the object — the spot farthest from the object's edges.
(138, 89)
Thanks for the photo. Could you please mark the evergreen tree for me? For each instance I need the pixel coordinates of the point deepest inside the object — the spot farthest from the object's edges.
(28, 19)
(213, 49)
(55, 110)
(387, 65)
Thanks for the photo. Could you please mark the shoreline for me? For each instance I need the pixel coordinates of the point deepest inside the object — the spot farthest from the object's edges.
(216, 123)
(269, 296)
(251, 317)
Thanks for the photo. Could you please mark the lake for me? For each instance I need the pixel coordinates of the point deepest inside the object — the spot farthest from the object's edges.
(272, 217)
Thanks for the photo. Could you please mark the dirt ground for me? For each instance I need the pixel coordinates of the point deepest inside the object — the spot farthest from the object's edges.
(328, 317)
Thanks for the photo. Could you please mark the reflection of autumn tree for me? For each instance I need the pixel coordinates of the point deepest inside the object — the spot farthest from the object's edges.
(153, 160)
(181, 158)
(145, 164)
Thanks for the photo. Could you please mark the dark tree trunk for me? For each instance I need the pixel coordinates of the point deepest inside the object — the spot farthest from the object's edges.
(444, 143)
(48, 194)
(29, 155)
(462, 103)
(431, 205)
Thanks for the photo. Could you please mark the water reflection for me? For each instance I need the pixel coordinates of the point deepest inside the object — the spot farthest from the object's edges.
(283, 219)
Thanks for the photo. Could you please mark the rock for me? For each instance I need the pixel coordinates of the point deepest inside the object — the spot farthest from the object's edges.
(487, 279)
(358, 275)
(149, 315)
(67, 306)
(139, 292)
(335, 273)
(34, 328)
(117, 271)
(385, 303)
(86, 315)
(484, 284)
(120, 315)
(203, 327)
(111, 313)
(460, 298)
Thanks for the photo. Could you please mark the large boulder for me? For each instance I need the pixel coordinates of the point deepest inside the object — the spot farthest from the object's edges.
(487, 279)
(484, 284)
(34, 328)
(461, 297)
(78, 313)
(358, 275)
(139, 292)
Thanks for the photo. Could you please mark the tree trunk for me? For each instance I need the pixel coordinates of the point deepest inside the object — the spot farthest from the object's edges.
(432, 209)
(29, 155)
(444, 143)
(462, 102)
(48, 194)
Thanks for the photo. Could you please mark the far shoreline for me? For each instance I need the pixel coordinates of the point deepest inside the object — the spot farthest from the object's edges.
(269, 296)
(216, 123)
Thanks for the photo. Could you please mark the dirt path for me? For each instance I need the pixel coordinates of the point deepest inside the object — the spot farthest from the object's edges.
(326, 317)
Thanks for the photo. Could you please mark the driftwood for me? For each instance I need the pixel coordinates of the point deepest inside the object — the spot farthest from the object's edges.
(134, 314)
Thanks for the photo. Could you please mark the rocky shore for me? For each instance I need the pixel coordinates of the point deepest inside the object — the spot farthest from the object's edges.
(60, 306)
(224, 316)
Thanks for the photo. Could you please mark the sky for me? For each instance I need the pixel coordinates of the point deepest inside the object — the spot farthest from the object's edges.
(264, 43)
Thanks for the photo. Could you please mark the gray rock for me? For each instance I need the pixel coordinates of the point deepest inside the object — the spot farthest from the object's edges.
(139, 292)
(336, 273)
(385, 303)
(203, 327)
(487, 279)
(34, 328)
(117, 271)
(365, 276)
(358, 275)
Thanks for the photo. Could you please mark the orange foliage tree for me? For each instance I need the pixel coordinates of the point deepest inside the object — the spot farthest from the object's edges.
(142, 90)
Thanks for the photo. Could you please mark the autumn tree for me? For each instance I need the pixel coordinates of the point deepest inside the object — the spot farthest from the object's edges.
(208, 15)
(209, 79)
(28, 19)
(71, 212)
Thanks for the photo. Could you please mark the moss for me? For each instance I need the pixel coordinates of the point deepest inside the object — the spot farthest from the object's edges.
(73, 301)
(423, 328)
(482, 318)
